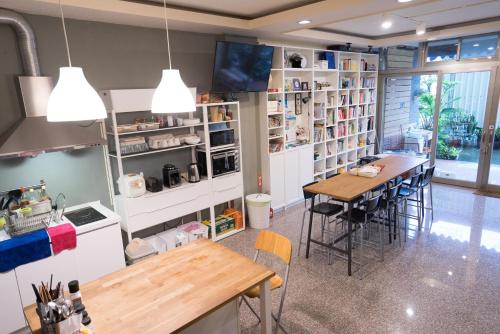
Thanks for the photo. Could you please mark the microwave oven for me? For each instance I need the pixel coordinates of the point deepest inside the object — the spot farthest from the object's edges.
(222, 162)
(221, 137)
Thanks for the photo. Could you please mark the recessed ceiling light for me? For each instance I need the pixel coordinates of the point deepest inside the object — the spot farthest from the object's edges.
(386, 21)
(410, 312)
(490, 48)
(475, 45)
(403, 1)
(304, 22)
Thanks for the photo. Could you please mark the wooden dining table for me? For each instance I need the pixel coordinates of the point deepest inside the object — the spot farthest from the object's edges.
(347, 188)
(173, 292)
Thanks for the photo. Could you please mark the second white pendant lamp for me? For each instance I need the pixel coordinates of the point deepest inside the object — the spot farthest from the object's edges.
(73, 98)
(172, 95)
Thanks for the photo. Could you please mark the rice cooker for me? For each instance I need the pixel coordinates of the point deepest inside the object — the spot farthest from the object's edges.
(132, 185)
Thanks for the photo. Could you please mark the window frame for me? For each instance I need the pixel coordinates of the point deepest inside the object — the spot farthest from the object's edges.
(459, 59)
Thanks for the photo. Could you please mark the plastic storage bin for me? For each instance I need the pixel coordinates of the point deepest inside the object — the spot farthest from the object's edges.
(258, 210)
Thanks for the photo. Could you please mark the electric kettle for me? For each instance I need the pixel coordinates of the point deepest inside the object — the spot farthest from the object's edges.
(193, 173)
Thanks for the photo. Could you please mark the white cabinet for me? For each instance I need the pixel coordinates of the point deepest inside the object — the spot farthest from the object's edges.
(306, 166)
(277, 180)
(99, 253)
(289, 171)
(62, 266)
(153, 209)
(11, 315)
(292, 176)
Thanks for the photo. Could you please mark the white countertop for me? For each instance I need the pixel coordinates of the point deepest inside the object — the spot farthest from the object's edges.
(111, 219)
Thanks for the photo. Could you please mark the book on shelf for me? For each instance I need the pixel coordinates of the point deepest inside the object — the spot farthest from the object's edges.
(318, 133)
(319, 110)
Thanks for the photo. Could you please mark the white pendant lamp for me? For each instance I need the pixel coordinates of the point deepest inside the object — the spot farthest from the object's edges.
(172, 95)
(73, 98)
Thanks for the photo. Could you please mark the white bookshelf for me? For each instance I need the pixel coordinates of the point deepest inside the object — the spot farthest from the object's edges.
(206, 198)
(335, 118)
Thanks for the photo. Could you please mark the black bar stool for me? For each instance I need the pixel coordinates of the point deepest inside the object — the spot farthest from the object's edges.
(325, 209)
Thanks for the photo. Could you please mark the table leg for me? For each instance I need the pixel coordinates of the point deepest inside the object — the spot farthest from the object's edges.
(265, 308)
(310, 228)
(349, 241)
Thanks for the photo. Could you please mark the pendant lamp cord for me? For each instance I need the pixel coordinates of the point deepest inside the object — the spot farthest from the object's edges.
(166, 28)
(64, 30)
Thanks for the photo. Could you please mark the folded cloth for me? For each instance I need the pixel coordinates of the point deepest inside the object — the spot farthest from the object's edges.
(24, 249)
(62, 237)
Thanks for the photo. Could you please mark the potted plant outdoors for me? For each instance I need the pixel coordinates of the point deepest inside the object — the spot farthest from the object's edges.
(496, 143)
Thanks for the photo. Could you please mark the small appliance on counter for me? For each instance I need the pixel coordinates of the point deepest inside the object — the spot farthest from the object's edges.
(153, 184)
(132, 185)
(223, 162)
(171, 176)
(193, 173)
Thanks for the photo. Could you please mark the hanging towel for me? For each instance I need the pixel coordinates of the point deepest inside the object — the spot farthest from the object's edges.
(24, 249)
(62, 237)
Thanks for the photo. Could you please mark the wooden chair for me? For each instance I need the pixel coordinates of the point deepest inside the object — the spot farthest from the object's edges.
(281, 247)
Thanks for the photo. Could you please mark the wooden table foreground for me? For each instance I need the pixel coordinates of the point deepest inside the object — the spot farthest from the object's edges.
(169, 292)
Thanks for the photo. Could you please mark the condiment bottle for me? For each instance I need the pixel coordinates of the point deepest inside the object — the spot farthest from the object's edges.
(74, 293)
(24, 197)
(43, 193)
(33, 196)
(87, 322)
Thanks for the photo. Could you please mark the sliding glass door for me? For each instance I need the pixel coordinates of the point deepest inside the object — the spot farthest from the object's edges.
(447, 115)
(462, 114)
(494, 140)
(408, 114)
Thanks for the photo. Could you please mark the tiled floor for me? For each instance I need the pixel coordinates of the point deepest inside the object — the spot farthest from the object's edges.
(444, 280)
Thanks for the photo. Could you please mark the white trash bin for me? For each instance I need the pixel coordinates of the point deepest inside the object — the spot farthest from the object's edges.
(258, 210)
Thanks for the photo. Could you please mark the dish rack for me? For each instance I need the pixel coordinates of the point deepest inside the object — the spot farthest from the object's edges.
(18, 226)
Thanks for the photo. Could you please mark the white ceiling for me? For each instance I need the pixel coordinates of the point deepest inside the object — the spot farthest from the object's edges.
(333, 21)
(435, 14)
(246, 8)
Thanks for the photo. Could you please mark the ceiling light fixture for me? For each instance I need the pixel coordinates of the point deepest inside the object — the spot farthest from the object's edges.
(73, 98)
(172, 95)
(403, 1)
(475, 45)
(421, 28)
(304, 22)
(386, 21)
(490, 48)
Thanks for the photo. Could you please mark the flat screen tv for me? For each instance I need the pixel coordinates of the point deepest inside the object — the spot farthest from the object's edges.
(241, 67)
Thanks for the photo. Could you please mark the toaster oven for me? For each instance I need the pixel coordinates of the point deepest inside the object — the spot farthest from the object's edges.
(222, 162)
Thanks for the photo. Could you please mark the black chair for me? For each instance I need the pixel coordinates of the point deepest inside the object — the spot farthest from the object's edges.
(390, 205)
(427, 181)
(325, 209)
(361, 217)
(406, 192)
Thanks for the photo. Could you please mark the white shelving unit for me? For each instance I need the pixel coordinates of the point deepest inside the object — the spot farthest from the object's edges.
(210, 195)
(336, 114)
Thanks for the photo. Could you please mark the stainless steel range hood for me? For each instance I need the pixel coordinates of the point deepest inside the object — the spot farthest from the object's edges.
(32, 134)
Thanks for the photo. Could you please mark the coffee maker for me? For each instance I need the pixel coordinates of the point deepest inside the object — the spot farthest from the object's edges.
(171, 176)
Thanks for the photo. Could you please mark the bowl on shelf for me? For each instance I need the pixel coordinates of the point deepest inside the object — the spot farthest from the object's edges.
(122, 128)
(191, 121)
(192, 140)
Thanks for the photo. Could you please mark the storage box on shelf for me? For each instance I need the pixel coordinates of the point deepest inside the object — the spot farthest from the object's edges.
(338, 119)
(218, 127)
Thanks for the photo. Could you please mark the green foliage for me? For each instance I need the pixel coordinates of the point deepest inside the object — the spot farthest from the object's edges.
(448, 115)
(447, 152)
